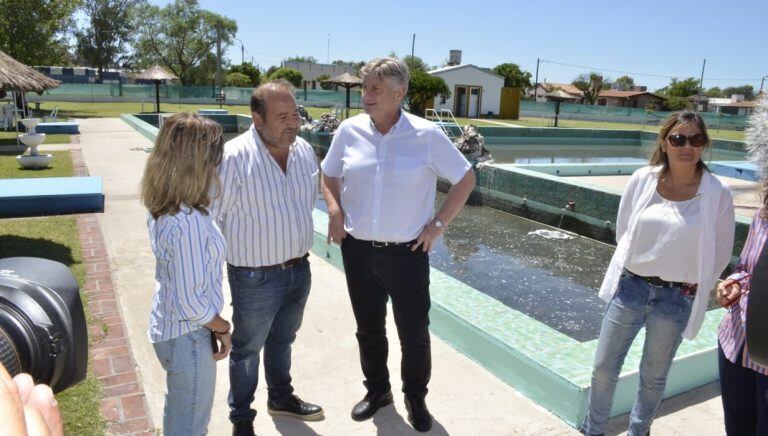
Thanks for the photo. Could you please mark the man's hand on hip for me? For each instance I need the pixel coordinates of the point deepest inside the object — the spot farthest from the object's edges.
(336, 230)
(428, 236)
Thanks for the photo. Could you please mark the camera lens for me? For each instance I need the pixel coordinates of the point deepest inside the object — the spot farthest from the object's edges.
(42, 323)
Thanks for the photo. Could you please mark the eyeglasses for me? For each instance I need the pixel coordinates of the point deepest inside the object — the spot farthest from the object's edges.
(696, 140)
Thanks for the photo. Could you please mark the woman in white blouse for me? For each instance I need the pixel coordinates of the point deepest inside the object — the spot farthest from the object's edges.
(186, 328)
(674, 235)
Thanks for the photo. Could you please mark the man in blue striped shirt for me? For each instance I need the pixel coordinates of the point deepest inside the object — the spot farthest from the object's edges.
(270, 181)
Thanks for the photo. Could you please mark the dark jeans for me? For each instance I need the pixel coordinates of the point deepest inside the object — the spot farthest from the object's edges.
(268, 306)
(745, 398)
(375, 274)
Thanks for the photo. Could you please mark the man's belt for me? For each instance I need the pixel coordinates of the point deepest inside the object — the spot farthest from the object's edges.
(685, 288)
(379, 244)
(285, 265)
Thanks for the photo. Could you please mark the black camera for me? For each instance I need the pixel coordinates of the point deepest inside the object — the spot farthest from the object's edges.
(42, 323)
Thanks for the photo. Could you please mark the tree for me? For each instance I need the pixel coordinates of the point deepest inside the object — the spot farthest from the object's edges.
(590, 84)
(34, 31)
(673, 103)
(415, 63)
(294, 77)
(325, 85)
(625, 82)
(714, 92)
(103, 41)
(308, 59)
(249, 70)
(683, 88)
(238, 80)
(514, 77)
(180, 35)
(746, 90)
(271, 70)
(422, 88)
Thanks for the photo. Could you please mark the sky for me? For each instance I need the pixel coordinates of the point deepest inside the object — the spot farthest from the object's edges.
(652, 40)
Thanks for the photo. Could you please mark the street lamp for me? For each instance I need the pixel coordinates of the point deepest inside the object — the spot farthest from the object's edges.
(762, 81)
(242, 50)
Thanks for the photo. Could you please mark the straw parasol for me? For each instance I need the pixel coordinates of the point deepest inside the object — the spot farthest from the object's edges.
(17, 77)
(156, 74)
(348, 81)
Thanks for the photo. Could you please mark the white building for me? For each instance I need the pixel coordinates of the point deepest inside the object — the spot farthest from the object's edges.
(475, 91)
(311, 71)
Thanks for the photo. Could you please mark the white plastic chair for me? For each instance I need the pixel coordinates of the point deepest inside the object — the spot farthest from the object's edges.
(53, 115)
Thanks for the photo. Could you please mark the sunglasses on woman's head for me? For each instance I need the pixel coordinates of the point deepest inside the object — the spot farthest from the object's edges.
(696, 140)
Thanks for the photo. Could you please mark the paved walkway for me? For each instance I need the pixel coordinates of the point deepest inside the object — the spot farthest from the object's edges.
(746, 194)
(500, 123)
(464, 397)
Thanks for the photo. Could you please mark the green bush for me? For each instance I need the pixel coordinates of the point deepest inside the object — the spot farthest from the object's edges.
(294, 77)
(239, 80)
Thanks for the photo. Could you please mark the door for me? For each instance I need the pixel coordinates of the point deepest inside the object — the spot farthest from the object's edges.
(460, 101)
(474, 102)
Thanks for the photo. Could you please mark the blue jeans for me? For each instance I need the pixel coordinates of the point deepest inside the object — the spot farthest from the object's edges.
(268, 306)
(190, 379)
(664, 312)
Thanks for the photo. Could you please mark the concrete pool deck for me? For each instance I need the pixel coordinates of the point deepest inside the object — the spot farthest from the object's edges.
(746, 194)
(465, 398)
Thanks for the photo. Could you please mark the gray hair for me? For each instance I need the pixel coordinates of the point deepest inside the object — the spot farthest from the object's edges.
(391, 68)
(262, 92)
(756, 140)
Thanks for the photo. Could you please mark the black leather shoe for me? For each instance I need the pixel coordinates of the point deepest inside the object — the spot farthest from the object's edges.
(418, 414)
(243, 428)
(295, 407)
(368, 406)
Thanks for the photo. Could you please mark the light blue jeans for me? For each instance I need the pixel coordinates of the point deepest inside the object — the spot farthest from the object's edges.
(191, 379)
(664, 312)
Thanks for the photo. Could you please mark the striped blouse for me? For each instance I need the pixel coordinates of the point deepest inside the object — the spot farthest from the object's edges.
(732, 332)
(264, 213)
(189, 250)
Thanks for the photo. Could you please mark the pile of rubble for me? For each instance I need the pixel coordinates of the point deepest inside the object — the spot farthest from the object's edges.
(472, 145)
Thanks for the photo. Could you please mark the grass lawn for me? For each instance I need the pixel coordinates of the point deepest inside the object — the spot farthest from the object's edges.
(55, 238)
(9, 138)
(10, 169)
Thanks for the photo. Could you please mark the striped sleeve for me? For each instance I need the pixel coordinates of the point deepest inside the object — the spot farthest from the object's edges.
(229, 175)
(188, 287)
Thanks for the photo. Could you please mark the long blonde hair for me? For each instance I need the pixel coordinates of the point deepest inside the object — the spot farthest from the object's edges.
(182, 168)
(659, 157)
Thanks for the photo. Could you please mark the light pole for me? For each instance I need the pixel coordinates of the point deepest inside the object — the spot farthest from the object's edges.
(242, 51)
(762, 81)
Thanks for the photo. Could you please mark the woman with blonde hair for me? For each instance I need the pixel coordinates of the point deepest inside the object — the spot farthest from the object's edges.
(186, 327)
(674, 235)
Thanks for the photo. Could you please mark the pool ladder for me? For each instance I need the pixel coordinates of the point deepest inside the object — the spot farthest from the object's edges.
(445, 119)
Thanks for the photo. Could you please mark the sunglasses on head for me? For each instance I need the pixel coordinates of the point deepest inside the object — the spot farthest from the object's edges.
(696, 140)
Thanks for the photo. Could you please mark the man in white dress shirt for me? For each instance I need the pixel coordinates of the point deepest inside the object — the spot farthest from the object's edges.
(379, 181)
(269, 186)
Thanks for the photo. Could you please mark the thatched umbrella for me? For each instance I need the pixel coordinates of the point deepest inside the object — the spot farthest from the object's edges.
(156, 74)
(348, 81)
(17, 77)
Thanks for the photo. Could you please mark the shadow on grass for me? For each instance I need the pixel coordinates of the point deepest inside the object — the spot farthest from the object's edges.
(20, 246)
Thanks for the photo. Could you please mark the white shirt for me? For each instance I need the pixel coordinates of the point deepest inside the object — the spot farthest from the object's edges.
(264, 213)
(666, 240)
(715, 237)
(189, 250)
(389, 181)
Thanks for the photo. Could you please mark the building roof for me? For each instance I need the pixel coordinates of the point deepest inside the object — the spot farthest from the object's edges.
(567, 87)
(746, 103)
(624, 94)
(439, 71)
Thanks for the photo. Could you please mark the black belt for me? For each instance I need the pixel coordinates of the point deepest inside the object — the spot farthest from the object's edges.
(686, 288)
(285, 265)
(379, 244)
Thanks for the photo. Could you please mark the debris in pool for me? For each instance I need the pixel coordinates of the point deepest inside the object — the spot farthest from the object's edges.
(551, 234)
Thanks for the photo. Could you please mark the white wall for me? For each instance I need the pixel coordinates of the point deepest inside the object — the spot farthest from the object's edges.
(491, 97)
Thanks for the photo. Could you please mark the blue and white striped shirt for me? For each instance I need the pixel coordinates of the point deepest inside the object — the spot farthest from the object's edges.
(264, 213)
(189, 250)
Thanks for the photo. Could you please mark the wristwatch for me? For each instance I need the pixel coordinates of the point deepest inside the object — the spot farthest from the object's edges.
(438, 224)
